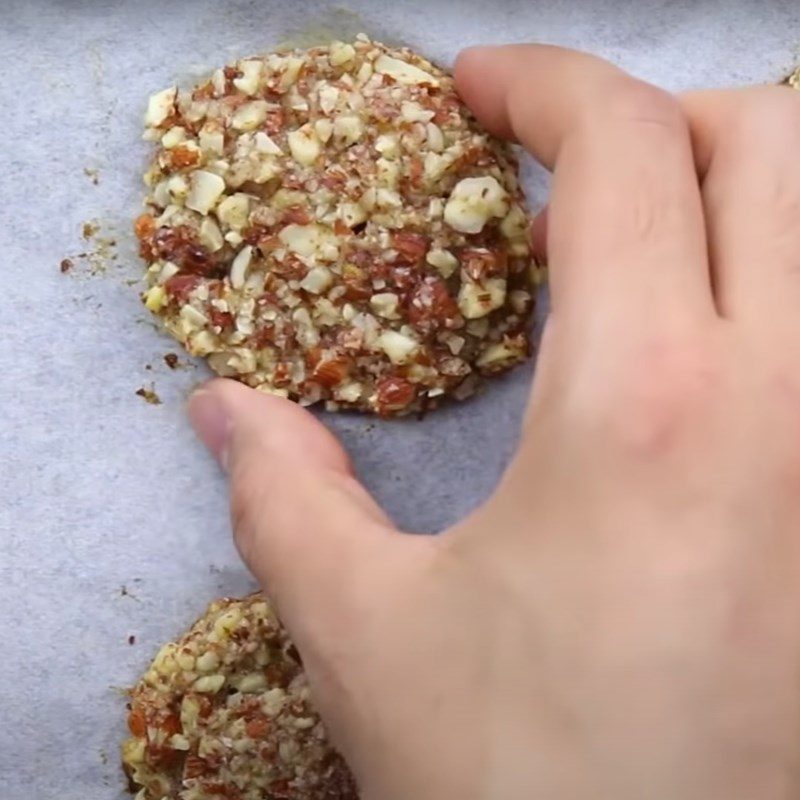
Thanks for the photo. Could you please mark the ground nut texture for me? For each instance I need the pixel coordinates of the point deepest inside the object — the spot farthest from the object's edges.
(224, 714)
(333, 225)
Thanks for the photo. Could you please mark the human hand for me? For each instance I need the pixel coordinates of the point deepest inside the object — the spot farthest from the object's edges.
(622, 618)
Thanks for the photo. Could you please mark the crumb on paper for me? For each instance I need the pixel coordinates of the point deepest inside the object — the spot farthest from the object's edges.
(124, 591)
(149, 395)
(92, 174)
(90, 228)
(132, 639)
(173, 361)
(98, 258)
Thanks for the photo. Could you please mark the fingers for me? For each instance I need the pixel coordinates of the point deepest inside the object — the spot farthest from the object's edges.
(748, 145)
(306, 528)
(626, 240)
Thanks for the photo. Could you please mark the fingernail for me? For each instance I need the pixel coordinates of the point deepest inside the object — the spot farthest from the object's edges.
(212, 423)
(537, 234)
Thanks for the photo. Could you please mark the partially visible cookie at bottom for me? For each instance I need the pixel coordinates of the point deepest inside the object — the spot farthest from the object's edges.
(225, 713)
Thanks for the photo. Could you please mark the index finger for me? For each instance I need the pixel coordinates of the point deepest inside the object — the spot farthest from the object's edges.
(626, 235)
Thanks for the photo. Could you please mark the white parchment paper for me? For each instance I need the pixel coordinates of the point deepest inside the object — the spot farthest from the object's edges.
(113, 521)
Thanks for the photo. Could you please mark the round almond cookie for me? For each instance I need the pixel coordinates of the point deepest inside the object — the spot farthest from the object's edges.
(225, 712)
(333, 225)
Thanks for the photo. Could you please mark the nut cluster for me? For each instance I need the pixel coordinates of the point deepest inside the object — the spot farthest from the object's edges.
(224, 712)
(333, 225)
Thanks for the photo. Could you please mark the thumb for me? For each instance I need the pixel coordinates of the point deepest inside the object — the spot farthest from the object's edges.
(304, 525)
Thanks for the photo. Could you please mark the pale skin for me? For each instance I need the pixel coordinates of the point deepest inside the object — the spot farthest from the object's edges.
(622, 618)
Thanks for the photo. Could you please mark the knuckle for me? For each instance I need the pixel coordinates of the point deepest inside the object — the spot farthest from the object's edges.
(645, 214)
(769, 113)
(662, 393)
(670, 390)
(652, 133)
(632, 101)
(782, 192)
(763, 130)
(246, 503)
